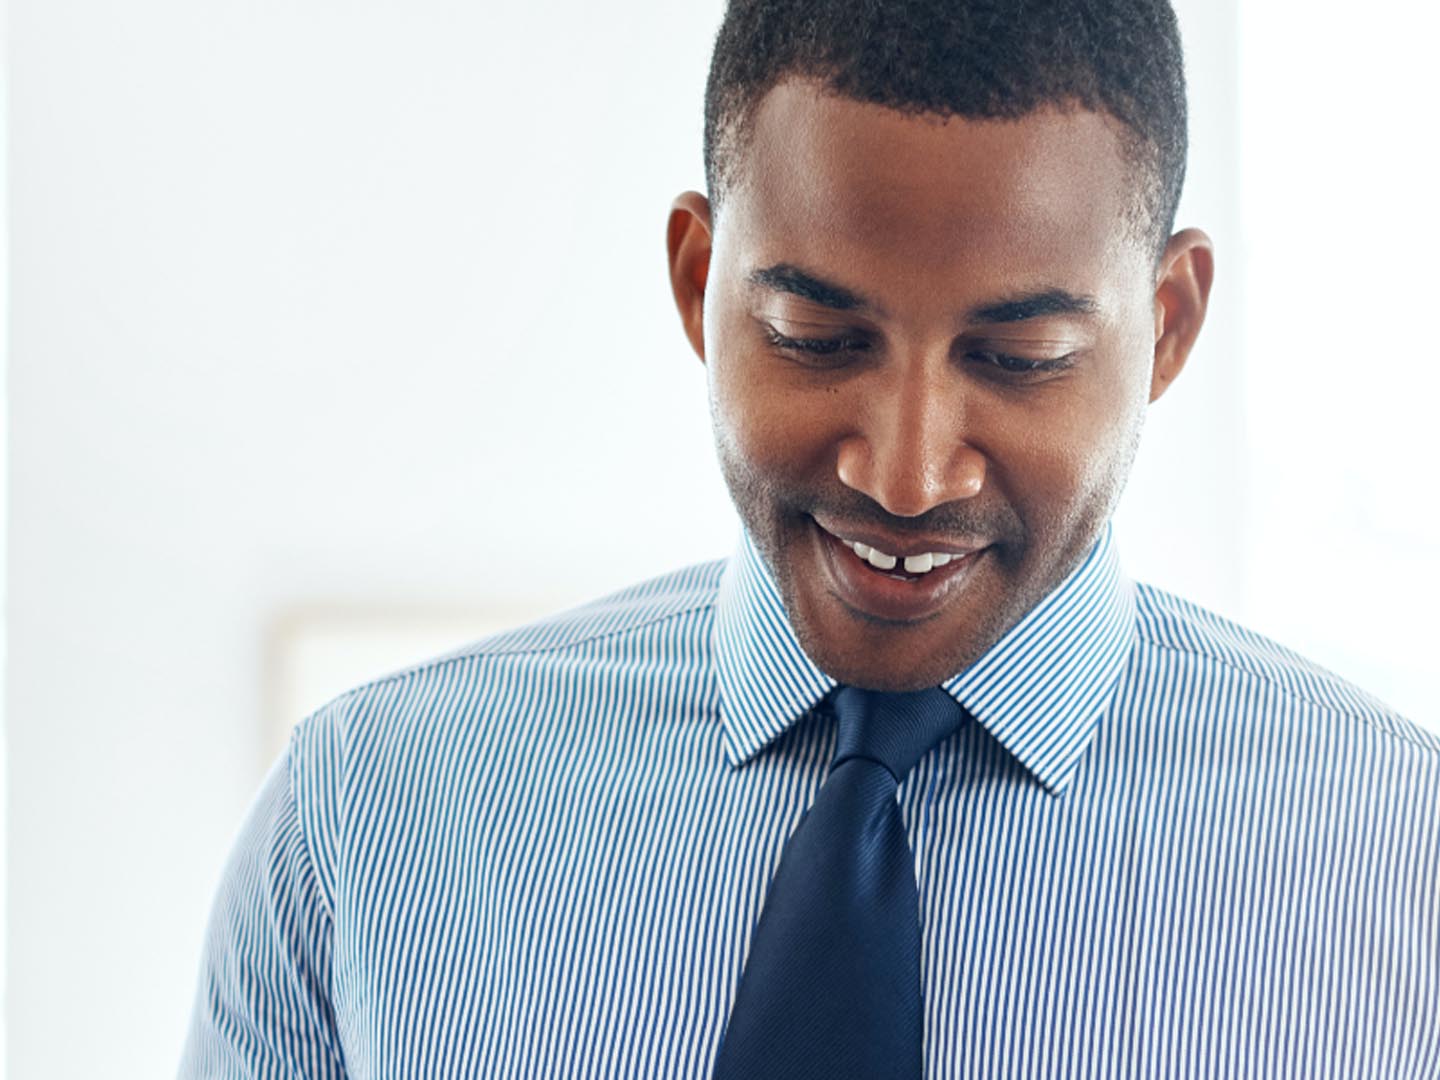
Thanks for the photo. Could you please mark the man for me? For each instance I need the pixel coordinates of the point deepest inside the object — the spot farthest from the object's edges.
(916, 783)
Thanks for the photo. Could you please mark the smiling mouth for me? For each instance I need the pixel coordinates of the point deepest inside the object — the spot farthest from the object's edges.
(901, 586)
(906, 568)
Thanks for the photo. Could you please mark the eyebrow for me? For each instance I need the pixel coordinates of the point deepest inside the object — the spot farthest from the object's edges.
(787, 278)
(1035, 305)
(782, 277)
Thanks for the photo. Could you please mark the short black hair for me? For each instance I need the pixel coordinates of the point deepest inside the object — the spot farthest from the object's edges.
(978, 59)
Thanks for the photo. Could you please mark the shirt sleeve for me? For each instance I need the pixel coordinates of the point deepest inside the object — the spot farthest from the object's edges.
(263, 1007)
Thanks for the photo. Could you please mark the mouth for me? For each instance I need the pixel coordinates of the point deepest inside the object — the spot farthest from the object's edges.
(908, 582)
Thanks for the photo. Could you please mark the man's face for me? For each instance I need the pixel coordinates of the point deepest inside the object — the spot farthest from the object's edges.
(924, 338)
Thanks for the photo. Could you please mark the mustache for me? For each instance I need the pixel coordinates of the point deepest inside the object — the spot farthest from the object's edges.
(995, 522)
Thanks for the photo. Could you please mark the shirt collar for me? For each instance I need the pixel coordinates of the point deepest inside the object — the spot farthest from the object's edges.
(1040, 691)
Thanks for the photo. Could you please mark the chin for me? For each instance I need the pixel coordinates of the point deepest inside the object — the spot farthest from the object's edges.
(860, 649)
(875, 655)
(889, 679)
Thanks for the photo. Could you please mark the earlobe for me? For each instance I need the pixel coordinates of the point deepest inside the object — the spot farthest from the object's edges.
(688, 238)
(1182, 294)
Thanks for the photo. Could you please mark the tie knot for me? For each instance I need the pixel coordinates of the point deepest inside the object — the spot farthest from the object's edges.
(896, 730)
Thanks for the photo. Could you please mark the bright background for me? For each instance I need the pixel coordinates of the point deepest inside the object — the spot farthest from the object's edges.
(338, 328)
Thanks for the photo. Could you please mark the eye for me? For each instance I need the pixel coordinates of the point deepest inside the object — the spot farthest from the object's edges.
(820, 349)
(1019, 365)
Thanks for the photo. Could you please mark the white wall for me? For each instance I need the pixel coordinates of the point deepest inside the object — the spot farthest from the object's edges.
(1342, 378)
(333, 304)
(4, 503)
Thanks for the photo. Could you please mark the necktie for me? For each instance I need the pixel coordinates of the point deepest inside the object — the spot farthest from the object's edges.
(831, 988)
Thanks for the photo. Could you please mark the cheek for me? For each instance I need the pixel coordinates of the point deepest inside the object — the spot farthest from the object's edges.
(1101, 476)
(743, 425)
(765, 416)
(1069, 461)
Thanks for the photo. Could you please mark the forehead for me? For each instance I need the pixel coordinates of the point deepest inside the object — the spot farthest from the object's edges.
(922, 201)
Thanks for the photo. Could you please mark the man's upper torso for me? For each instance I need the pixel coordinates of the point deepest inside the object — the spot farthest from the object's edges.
(1163, 847)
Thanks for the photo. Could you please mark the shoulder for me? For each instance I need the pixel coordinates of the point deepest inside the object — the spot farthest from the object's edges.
(1177, 628)
(655, 621)
(647, 606)
(499, 702)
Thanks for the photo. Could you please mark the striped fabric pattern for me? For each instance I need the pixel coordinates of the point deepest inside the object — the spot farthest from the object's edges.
(1167, 848)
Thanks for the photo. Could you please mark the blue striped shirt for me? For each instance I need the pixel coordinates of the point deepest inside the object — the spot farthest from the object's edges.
(1167, 847)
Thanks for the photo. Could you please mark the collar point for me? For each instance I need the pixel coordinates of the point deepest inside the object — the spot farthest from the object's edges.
(1056, 789)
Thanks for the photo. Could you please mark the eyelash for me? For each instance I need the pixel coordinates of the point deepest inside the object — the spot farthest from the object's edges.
(1010, 365)
(1019, 365)
(816, 346)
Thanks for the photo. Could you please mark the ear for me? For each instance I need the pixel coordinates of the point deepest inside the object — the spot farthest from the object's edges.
(1182, 293)
(688, 239)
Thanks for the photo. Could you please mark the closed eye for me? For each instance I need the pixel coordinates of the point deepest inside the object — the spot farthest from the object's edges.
(826, 346)
(1020, 365)
(838, 347)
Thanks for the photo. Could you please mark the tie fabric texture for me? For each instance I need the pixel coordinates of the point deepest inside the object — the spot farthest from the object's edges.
(832, 985)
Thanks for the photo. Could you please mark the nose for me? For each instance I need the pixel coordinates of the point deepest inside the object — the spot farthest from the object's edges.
(908, 448)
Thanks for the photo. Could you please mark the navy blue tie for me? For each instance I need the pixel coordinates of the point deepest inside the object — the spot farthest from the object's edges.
(831, 988)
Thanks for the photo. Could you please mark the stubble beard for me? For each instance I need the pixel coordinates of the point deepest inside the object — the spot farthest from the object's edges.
(775, 516)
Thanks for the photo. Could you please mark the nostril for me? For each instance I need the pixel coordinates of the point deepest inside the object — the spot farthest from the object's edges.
(907, 479)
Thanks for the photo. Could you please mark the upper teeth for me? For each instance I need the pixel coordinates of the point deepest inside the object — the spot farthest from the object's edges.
(914, 564)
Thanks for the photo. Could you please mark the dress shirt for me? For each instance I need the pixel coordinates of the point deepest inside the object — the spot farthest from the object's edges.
(1168, 847)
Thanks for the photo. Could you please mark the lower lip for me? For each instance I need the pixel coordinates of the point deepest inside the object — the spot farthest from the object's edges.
(876, 593)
